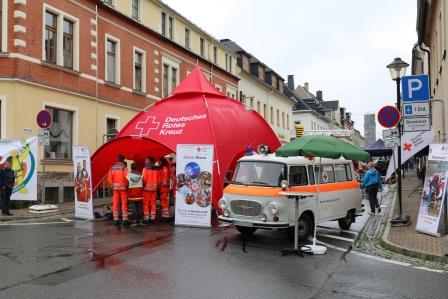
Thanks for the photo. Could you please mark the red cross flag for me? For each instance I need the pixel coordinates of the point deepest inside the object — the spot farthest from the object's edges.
(411, 143)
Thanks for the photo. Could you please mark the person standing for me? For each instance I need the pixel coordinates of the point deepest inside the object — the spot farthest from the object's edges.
(7, 179)
(151, 181)
(117, 177)
(135, 194)
(372, 181)
(164, 187)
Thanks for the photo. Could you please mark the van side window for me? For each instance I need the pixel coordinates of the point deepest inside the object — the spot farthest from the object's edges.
(325, 173)
(311, 174)
(340, 173)
(349, 172)
(297, 176)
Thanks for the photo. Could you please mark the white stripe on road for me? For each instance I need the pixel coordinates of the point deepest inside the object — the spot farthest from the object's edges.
(64, 221)
(381, 259)
(336, 237)
(429, 269)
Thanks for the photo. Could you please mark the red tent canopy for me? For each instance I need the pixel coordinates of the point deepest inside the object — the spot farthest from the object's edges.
(196, 113)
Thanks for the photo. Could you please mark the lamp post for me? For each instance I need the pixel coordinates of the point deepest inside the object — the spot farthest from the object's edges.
(397, 69)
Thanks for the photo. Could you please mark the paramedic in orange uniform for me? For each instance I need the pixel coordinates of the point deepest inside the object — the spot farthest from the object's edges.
(164, 186)
(117, 177)
(151, 181)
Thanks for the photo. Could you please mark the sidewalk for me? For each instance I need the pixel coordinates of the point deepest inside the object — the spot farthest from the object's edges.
(405, 239)
(63, 208)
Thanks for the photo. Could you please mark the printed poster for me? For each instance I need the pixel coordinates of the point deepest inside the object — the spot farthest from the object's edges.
(82, 183)
(194, 173)
(23, 154)
(434, 190)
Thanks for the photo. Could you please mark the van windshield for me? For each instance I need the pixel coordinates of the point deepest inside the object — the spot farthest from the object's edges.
(259, 173)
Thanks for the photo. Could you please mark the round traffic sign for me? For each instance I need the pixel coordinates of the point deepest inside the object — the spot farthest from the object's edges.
(389, 116)
(44, 119)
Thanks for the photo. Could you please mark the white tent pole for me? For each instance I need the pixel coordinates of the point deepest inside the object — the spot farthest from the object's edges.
(318, 192)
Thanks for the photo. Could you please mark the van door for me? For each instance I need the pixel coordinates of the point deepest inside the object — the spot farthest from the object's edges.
(328, 199)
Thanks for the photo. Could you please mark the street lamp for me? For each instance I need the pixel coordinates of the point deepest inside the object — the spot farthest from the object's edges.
(397, 69)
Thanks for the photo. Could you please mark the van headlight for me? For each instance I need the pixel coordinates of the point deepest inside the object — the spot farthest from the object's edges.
(222, 204)
(272, 208)
(226, 213)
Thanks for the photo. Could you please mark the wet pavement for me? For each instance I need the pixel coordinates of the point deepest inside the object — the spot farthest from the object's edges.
(81, 259)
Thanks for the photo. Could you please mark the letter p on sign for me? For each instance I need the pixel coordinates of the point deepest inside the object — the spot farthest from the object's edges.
(415, 88)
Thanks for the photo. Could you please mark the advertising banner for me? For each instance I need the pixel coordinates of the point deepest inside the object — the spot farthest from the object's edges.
(434, 189)
(82, 183)
(23, 156)
(194, 173)
(411, 143)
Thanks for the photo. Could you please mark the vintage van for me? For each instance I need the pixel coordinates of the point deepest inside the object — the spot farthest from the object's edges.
(253, 198)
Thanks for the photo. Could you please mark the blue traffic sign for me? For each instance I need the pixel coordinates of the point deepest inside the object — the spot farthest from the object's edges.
(415, 88)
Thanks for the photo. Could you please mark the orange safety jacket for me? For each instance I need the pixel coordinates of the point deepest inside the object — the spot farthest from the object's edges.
(151, 179)
(165, 179)
(117, 176)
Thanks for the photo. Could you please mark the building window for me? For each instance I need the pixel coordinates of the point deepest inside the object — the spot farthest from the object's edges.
(110, 2)
(139, 70)
(215, 55)
(230, 64)
(67, 46)
(187, 38)
(283, 120)
(278, 118)
(50, 37)
(170, 27)
(264, 110)
(218, 87)
(111, 61)
(111, 123)
(252, 103)
(287, 121)
(173, 78)
(163, 23)
(272, 116)
(61, 135)
(258, 106)
(60, 43)
(135, 9)
(202, 47)
(165, 74)
(227, 62)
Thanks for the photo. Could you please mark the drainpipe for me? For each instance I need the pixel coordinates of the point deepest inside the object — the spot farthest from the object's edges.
(420, 45)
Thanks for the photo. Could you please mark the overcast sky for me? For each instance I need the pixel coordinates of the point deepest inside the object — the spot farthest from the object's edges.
(340, 47)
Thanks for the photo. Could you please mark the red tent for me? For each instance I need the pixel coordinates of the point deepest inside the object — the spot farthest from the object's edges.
(196, 113)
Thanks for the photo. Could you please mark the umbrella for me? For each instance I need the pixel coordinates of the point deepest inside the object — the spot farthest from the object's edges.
(322, 146)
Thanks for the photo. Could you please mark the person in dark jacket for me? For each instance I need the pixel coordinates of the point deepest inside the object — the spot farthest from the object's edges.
(7, 179)
(372, 182)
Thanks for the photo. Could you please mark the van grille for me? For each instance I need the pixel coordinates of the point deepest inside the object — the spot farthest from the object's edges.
(245, 207)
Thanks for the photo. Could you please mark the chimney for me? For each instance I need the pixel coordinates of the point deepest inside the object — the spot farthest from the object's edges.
(306, 86)
(319, 95)
(291, 82)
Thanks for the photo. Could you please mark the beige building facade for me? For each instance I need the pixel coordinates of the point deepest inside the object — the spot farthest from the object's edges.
(429, 57)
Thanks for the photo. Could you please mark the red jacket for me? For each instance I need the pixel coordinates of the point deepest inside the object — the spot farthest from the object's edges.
(151, 179)
(117, 176)
(165, 175)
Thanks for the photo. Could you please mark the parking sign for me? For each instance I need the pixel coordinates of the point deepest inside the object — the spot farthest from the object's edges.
(415, 88)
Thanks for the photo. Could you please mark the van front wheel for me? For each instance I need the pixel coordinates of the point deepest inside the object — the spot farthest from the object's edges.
(244, 230)
(346, 222)
(306, 228)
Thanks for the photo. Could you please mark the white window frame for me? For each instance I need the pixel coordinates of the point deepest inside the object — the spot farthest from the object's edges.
(75, 119)
(3, 116)
(143, 53)
(172, 63)
(117, 58)
(112, 2)
(4, 36)
(218, 87)
(173, 35)
(231, 91)
(114, 117)
(138, 11)
(61, 15)
(189, 38)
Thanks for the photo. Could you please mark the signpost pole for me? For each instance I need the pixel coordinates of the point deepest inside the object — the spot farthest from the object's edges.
(399, 219)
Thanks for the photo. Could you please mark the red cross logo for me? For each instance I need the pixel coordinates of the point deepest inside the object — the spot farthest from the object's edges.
(407, 147)
(147, 125)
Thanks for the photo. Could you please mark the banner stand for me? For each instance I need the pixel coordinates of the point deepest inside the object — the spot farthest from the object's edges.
(82, 183)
